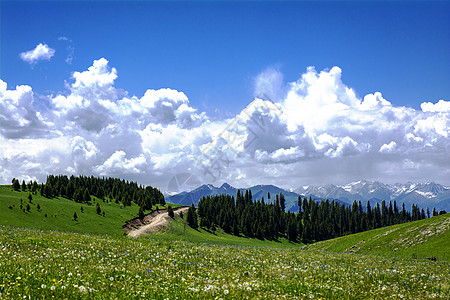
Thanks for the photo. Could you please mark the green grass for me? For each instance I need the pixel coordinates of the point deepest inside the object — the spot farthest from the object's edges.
(423, 239)
(60, 212)
(176, 231)
(36, 264)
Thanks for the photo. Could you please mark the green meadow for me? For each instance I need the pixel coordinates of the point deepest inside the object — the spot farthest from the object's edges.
(426, 238)
(57, 213)
(56, 257)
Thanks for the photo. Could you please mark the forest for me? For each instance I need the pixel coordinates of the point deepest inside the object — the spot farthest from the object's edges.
(314, 222)
(81, 188)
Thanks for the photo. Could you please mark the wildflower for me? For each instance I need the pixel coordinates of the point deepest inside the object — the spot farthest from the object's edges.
(226, 292)
(82, 289)
(43, 286)
(53, 288)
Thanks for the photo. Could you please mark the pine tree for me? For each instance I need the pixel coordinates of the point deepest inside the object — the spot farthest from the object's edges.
(28, 208)
(75, 217)
(192, 217)
(141, 213)
(24, 186)
(16, 184)
(170, 212)
(98, 210)
(30, 198)
(38, 207)
(86, 196)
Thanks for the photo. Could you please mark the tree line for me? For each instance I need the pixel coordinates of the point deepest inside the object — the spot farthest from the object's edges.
(81, 188)
(314, 222)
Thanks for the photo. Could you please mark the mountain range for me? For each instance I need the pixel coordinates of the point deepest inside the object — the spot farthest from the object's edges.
(424, 195)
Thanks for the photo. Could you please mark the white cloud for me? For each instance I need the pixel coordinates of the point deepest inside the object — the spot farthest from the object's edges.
(387, 148)
(441, 106)
(41, 52)
(119, 164)
(268, 85)
(319, 132)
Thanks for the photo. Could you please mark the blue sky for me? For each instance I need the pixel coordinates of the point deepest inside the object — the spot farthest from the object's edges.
(213, 51)
(141, 90)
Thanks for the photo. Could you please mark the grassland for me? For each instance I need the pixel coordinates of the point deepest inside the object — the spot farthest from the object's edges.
(40, 264)
(420, 239)
(57, 213)
(58, 257)
(178, 231)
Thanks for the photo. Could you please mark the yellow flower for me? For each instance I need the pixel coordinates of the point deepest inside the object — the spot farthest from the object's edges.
(18, 278)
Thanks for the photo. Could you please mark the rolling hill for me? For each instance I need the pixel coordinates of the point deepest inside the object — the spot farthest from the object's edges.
(426, 238)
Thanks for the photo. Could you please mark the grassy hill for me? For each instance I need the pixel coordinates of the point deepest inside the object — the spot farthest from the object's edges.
(178, 231)
(57, 213)
(420, 239)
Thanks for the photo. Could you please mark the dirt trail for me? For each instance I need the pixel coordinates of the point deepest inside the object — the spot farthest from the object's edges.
(156, 223)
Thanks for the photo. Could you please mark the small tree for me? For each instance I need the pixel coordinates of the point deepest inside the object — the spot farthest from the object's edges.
(98, 210)
(82, 209)
(30, 198)
(170, 211)
(141, 213)
(28, 208)
(75, 217)
(181, 214)
(16, 184)
(38, 207)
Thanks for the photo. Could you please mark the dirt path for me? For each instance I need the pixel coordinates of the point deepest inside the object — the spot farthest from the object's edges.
(156, 223)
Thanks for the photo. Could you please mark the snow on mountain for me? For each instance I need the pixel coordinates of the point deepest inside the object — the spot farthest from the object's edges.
(424, 194)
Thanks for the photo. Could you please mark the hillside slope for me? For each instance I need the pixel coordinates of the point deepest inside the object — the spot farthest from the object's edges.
(58, 213)
(420, 239)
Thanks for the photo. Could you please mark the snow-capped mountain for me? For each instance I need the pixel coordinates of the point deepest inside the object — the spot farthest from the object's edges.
(423, 194)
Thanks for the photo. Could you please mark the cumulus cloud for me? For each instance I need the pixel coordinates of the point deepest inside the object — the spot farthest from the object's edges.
(41, 52)
(317, 131)
(18, 117)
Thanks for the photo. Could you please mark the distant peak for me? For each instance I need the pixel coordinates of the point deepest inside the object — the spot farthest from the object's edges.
(225, 186)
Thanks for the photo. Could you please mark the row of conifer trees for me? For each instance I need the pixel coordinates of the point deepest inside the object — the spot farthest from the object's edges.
(315, 221)
(81, 188)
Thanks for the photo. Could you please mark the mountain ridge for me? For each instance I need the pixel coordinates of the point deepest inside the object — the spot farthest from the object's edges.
(429, 194)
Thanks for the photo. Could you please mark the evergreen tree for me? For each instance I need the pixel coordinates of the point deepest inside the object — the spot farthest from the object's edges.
(98, 210)
(28, 208)
(192, 217)
(435, 213)
(24, 186)
(38, 207)
(292, 230)
(30, 198)
(75, 217)
(141, 213)
(86, 196)
(170, 212)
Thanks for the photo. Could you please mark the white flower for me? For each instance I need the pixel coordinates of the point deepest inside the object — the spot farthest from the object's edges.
(82, 289)
(43, 286)
(226, 292)
(111, 278)
(53, 288)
